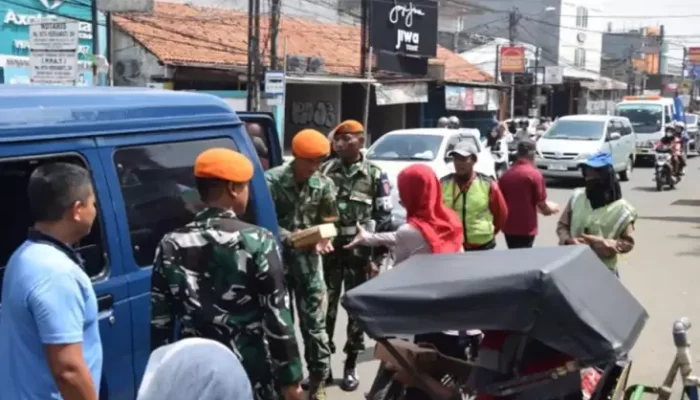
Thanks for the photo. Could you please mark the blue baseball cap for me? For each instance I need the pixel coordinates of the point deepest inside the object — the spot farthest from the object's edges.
(599, 160)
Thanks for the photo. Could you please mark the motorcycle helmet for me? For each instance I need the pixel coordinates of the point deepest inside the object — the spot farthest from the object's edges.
(454, 122)
(443, 122)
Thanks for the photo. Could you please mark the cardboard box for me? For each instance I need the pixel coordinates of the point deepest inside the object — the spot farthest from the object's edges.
(309, 237)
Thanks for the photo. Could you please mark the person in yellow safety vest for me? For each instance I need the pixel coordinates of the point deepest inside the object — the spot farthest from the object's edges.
(476, 198)
(597, 215)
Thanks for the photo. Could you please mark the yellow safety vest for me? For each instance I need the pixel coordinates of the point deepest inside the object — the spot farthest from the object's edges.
(472, 208)
(608, 222)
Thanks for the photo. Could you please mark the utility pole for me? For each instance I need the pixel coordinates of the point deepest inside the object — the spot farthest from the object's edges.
(513, 19)
(684, 62)
(253, 70)
(496, 77)
(275, 11)
(536, 104)
(630, 71)
(95, 40)
(661, 49)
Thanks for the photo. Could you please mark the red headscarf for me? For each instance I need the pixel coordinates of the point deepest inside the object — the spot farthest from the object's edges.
(420, 194)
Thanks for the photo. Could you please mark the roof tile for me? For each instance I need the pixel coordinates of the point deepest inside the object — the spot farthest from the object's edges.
(184, 34)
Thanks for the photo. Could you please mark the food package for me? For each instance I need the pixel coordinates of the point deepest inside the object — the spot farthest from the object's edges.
(589, 380)
(309, 237)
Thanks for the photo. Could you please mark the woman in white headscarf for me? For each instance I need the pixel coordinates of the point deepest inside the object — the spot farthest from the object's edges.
(194, 368)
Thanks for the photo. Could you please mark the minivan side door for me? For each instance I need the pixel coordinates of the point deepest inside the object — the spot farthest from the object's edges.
(627, 141)
(613, 146)
(150, 179)
(100, 249)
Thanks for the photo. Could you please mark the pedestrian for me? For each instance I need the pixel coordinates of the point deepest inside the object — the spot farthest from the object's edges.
(49, 329)
(223, 280)
(475, 197)
(194, 368)
(257, 136)
(597, 215)
(430, 228)
(525, 192)
(305, 198)
(363, 196)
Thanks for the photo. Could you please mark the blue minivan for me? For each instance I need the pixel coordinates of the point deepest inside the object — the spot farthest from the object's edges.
(140, 146)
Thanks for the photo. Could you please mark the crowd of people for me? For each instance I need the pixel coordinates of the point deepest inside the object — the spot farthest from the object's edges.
(226, 290)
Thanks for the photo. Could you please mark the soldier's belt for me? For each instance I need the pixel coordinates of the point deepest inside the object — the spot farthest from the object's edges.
(347, 231)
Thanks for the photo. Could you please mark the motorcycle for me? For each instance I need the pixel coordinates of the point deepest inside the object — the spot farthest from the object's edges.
(663, 170)
(501, 155)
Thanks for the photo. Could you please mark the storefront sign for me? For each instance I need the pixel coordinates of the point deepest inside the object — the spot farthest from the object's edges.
(53, 67)
(401, 93)
(407, 27)
(553, 75)
(459, 98)
(57, 36)
(19, 14)
(512, 60)
(694, 55)
(15, 71)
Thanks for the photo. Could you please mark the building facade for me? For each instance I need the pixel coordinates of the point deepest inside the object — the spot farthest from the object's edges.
(17, 15)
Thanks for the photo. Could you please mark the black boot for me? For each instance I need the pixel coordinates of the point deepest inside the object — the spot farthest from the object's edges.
(329, 381)
(350, 379)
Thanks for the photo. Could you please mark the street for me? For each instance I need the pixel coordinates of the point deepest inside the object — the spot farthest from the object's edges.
(661, 272)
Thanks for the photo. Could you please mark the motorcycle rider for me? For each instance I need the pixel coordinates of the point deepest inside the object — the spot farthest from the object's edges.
(443, 122)
(672, 141)
(496, 142)
(683, 137)
(454, 122)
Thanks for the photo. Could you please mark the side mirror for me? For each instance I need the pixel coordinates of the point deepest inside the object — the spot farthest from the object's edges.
(613, 136)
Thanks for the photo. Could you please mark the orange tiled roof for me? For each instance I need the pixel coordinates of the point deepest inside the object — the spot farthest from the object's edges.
(182, 34)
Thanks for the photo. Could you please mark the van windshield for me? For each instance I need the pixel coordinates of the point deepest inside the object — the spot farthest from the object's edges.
(645, 118)
(575, 130)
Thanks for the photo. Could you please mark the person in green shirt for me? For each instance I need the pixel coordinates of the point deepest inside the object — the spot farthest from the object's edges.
(597, 215)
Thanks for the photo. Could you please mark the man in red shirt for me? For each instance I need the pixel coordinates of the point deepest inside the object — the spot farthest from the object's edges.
(525, 194)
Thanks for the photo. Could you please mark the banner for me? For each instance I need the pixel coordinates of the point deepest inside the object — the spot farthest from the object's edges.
(512, 60)
(694, 55)
(458, 98)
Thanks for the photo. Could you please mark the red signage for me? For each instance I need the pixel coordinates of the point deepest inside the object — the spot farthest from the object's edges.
(694, 55)
(512, 60)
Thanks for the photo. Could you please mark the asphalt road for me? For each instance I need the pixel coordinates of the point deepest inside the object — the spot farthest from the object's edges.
(661, 272)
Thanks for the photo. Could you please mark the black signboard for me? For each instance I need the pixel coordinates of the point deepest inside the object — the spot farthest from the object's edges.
(413, 66)
(406, 27)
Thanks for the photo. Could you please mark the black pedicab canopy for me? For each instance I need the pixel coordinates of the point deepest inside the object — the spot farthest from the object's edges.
(564, 297)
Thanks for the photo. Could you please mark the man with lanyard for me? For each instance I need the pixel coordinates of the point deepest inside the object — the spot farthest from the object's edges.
(475, 198)
(363, 195)
(304, 198)
(597, 215)
(198, 280)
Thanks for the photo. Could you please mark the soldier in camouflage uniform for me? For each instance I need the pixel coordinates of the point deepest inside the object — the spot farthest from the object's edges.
(223, 279)
(363, 192)
(304, 198)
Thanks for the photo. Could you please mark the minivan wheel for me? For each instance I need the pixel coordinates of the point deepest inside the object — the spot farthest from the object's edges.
(627, 173)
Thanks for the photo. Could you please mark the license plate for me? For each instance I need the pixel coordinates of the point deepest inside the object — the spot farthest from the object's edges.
(558, 167)
(642, 151)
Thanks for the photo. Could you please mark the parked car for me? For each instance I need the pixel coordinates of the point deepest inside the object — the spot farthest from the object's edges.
(572, 139)
(396, 150)
(692, 124)
(139, 146)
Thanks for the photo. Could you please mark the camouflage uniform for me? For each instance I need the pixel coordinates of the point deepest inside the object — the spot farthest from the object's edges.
(363, 192)
(224, 280)
(300, 207)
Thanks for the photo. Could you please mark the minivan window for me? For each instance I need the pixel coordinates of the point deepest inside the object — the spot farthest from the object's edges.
(16, 218)
(159, 190)
(576, 130)
(645, 118)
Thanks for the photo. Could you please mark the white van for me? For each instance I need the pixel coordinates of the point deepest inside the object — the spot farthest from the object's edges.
(574, 138)
(648, 115)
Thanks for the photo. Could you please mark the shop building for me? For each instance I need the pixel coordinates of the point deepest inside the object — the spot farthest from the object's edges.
(182, 47)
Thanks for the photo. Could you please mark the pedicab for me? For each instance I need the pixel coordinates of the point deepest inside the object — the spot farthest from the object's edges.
(557, 299)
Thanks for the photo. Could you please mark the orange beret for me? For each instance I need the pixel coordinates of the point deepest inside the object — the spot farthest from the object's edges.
(311, 144)
(225, 164)
(350, 126)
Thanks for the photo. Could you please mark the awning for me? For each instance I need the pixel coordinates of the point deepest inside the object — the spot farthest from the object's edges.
(604, 83)
(579, 74)
(401, 93)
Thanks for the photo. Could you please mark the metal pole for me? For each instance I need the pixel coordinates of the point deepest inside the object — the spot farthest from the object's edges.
(258, 67)
(110, 48)
(661, 49)
(537, 81)
(496, 77)
(512, 25)
(274, 32)
(95, 40)
(368, 75)
(283, 108)
(250, 65)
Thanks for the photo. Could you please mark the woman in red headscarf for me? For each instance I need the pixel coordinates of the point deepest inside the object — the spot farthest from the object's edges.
(430, 228)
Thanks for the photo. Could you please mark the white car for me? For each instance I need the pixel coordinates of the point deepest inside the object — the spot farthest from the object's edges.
(396, 150)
